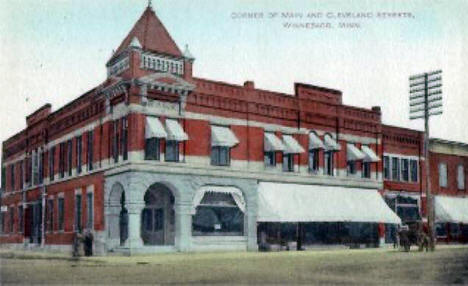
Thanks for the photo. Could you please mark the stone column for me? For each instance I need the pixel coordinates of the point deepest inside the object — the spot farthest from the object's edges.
(134, 203)
(183, 234)
(251, 213)
(134, 240)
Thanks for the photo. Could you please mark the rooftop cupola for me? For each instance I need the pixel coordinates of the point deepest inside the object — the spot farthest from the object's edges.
(146, 49)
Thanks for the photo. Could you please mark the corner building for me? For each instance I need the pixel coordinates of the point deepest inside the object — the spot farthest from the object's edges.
(155, 159)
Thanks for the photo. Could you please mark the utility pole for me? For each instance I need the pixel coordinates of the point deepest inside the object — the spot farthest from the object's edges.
(426, 101)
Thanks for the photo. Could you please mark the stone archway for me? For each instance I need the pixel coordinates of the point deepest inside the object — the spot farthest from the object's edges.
(158, 216)
(117, 217)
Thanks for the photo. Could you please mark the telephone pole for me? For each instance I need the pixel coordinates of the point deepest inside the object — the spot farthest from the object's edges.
(426, 101)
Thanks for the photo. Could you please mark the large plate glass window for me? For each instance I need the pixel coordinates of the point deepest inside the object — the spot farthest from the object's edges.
(218, 215)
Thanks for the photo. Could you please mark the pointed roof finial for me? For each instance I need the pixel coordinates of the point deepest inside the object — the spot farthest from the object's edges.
(149, 4)
(187, 53)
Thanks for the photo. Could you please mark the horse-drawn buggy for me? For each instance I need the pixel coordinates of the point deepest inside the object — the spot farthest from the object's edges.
(412, 233)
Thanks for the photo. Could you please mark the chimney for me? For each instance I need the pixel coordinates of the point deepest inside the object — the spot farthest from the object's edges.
(376, 109)
(249, 84)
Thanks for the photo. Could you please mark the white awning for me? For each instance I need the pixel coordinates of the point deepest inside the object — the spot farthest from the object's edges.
(330, 143)
(353, 153)
(154, 128)
(235, 193)
(292, 146)
(279, 202)
(369, 154)
(223, 136)
(315, 142)
(272, 143)
(175, 131)
(450, 209)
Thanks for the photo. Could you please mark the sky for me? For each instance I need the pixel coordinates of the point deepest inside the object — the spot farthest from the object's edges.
(52, 51)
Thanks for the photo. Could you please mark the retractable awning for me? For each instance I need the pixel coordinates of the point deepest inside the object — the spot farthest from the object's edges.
(353, 153)
(315, 142)
(175, 131)
(279, 202)
(154, 128)
(450, 209)
(330, 143)
(233, 191)
(292, 146)
(369, 154)
(223, 136)
(273, 143)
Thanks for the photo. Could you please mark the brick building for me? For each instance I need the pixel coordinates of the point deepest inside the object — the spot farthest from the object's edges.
(449, 163)
(156, 159)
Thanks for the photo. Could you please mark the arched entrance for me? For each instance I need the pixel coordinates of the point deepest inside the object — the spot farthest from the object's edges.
(158, 217)
(117, 216)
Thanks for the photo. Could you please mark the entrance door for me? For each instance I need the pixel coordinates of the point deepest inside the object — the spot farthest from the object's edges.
(157, 227)
(36, 221)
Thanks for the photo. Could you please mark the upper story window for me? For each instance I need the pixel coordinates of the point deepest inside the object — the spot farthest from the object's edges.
(12, 177)
(386, 167)
(175, 135)
(366, 170)
(271, 145)
(291, 148)
(443, 175)
(69, 156)
(20, 170)
(222, 140)
(79, 152)
(62, 159)
(115, 140)
(314, 160)
(51, 163)
(353, 155)
(331, 146)
(154, 132)
(461, 177)
(405, 170)
(172, 151)
(414, 170)
(395, 169)
(3, 178)
(36, 167)
(288, 162)
(315, 144)
(328, 163)
(89, 157)
(124, 138)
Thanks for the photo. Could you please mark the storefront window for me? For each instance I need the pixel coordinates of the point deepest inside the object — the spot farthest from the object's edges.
(218, 214)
